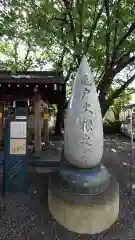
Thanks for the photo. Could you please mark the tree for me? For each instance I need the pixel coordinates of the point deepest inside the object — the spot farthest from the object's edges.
(120, 102)
(18, 49)
(103, 30)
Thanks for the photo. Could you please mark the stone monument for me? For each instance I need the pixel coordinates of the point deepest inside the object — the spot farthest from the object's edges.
(82, 194)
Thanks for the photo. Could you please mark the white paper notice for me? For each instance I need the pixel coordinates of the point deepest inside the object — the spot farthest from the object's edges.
(18, 146)
(20, 117)
(18, 129)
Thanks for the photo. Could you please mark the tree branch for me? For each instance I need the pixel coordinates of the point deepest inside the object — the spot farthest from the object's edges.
(121, 41)
(71, 19)
(80, 11)
(66, 47)
(121, 89)
(116, 24)
(58, 19)
(61, 59)
(16, 54)
(125, 55)
(109, 75)
(107, 35)
(27, 53)
(69, 72)
(94, 25)
(95, 10)
(71, 68)
(122, 64)
(107, 103)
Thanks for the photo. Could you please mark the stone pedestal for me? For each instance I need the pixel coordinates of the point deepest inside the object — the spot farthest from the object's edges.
(95, 217)
(83, 200)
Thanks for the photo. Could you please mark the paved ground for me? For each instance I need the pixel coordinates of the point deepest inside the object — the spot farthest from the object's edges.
(27, 216)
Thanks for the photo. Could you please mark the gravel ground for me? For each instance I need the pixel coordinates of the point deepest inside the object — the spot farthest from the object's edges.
(26, 216)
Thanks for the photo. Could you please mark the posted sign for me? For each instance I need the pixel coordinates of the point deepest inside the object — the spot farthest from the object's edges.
(18, 146)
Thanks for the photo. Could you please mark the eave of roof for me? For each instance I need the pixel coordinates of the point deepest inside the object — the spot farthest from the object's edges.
(38, 77)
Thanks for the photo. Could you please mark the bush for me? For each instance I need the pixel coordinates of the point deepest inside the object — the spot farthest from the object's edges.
(111, 127)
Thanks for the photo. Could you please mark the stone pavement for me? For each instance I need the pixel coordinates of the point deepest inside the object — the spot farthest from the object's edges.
(26, 216)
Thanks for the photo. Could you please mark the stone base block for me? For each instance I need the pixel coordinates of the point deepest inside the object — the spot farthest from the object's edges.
(101, 212)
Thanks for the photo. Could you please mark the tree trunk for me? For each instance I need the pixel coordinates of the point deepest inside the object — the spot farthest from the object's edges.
(103, 104)
(116, 115)
(59, 120)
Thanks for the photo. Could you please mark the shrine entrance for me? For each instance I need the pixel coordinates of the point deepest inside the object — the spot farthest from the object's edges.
(37, 91)
(40, 90)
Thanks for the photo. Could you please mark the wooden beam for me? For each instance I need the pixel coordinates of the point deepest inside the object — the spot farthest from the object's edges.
(37, 123)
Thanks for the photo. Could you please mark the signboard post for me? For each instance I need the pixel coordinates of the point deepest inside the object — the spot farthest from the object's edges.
(15, 152)
(132, 128)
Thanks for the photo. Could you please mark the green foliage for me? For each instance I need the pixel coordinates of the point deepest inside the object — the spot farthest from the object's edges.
(61, 32)
(103, 30)
(18, 48)
(110, 127)
(53, 109)
(120, 102)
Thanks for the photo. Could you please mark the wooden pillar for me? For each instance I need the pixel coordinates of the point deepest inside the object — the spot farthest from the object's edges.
(1, 122)
(45, 124)
(37, 122)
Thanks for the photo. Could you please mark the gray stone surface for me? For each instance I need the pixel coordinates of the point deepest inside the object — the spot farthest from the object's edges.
(82, 183)
(95, 217)
(83, 131)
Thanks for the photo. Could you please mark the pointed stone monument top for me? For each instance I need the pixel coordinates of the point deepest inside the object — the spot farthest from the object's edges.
(83, 133)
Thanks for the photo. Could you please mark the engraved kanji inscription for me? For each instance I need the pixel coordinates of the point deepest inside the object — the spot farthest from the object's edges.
(85, 92)
(85, 80)
(86, 153)
(85, 124)
(86, 140)
(88, 108)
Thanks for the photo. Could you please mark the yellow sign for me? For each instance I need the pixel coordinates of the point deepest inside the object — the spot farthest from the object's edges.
(45, 116)
(0, 115)
(18, 146)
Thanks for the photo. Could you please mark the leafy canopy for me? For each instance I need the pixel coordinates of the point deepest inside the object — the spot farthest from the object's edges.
(60, 32)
